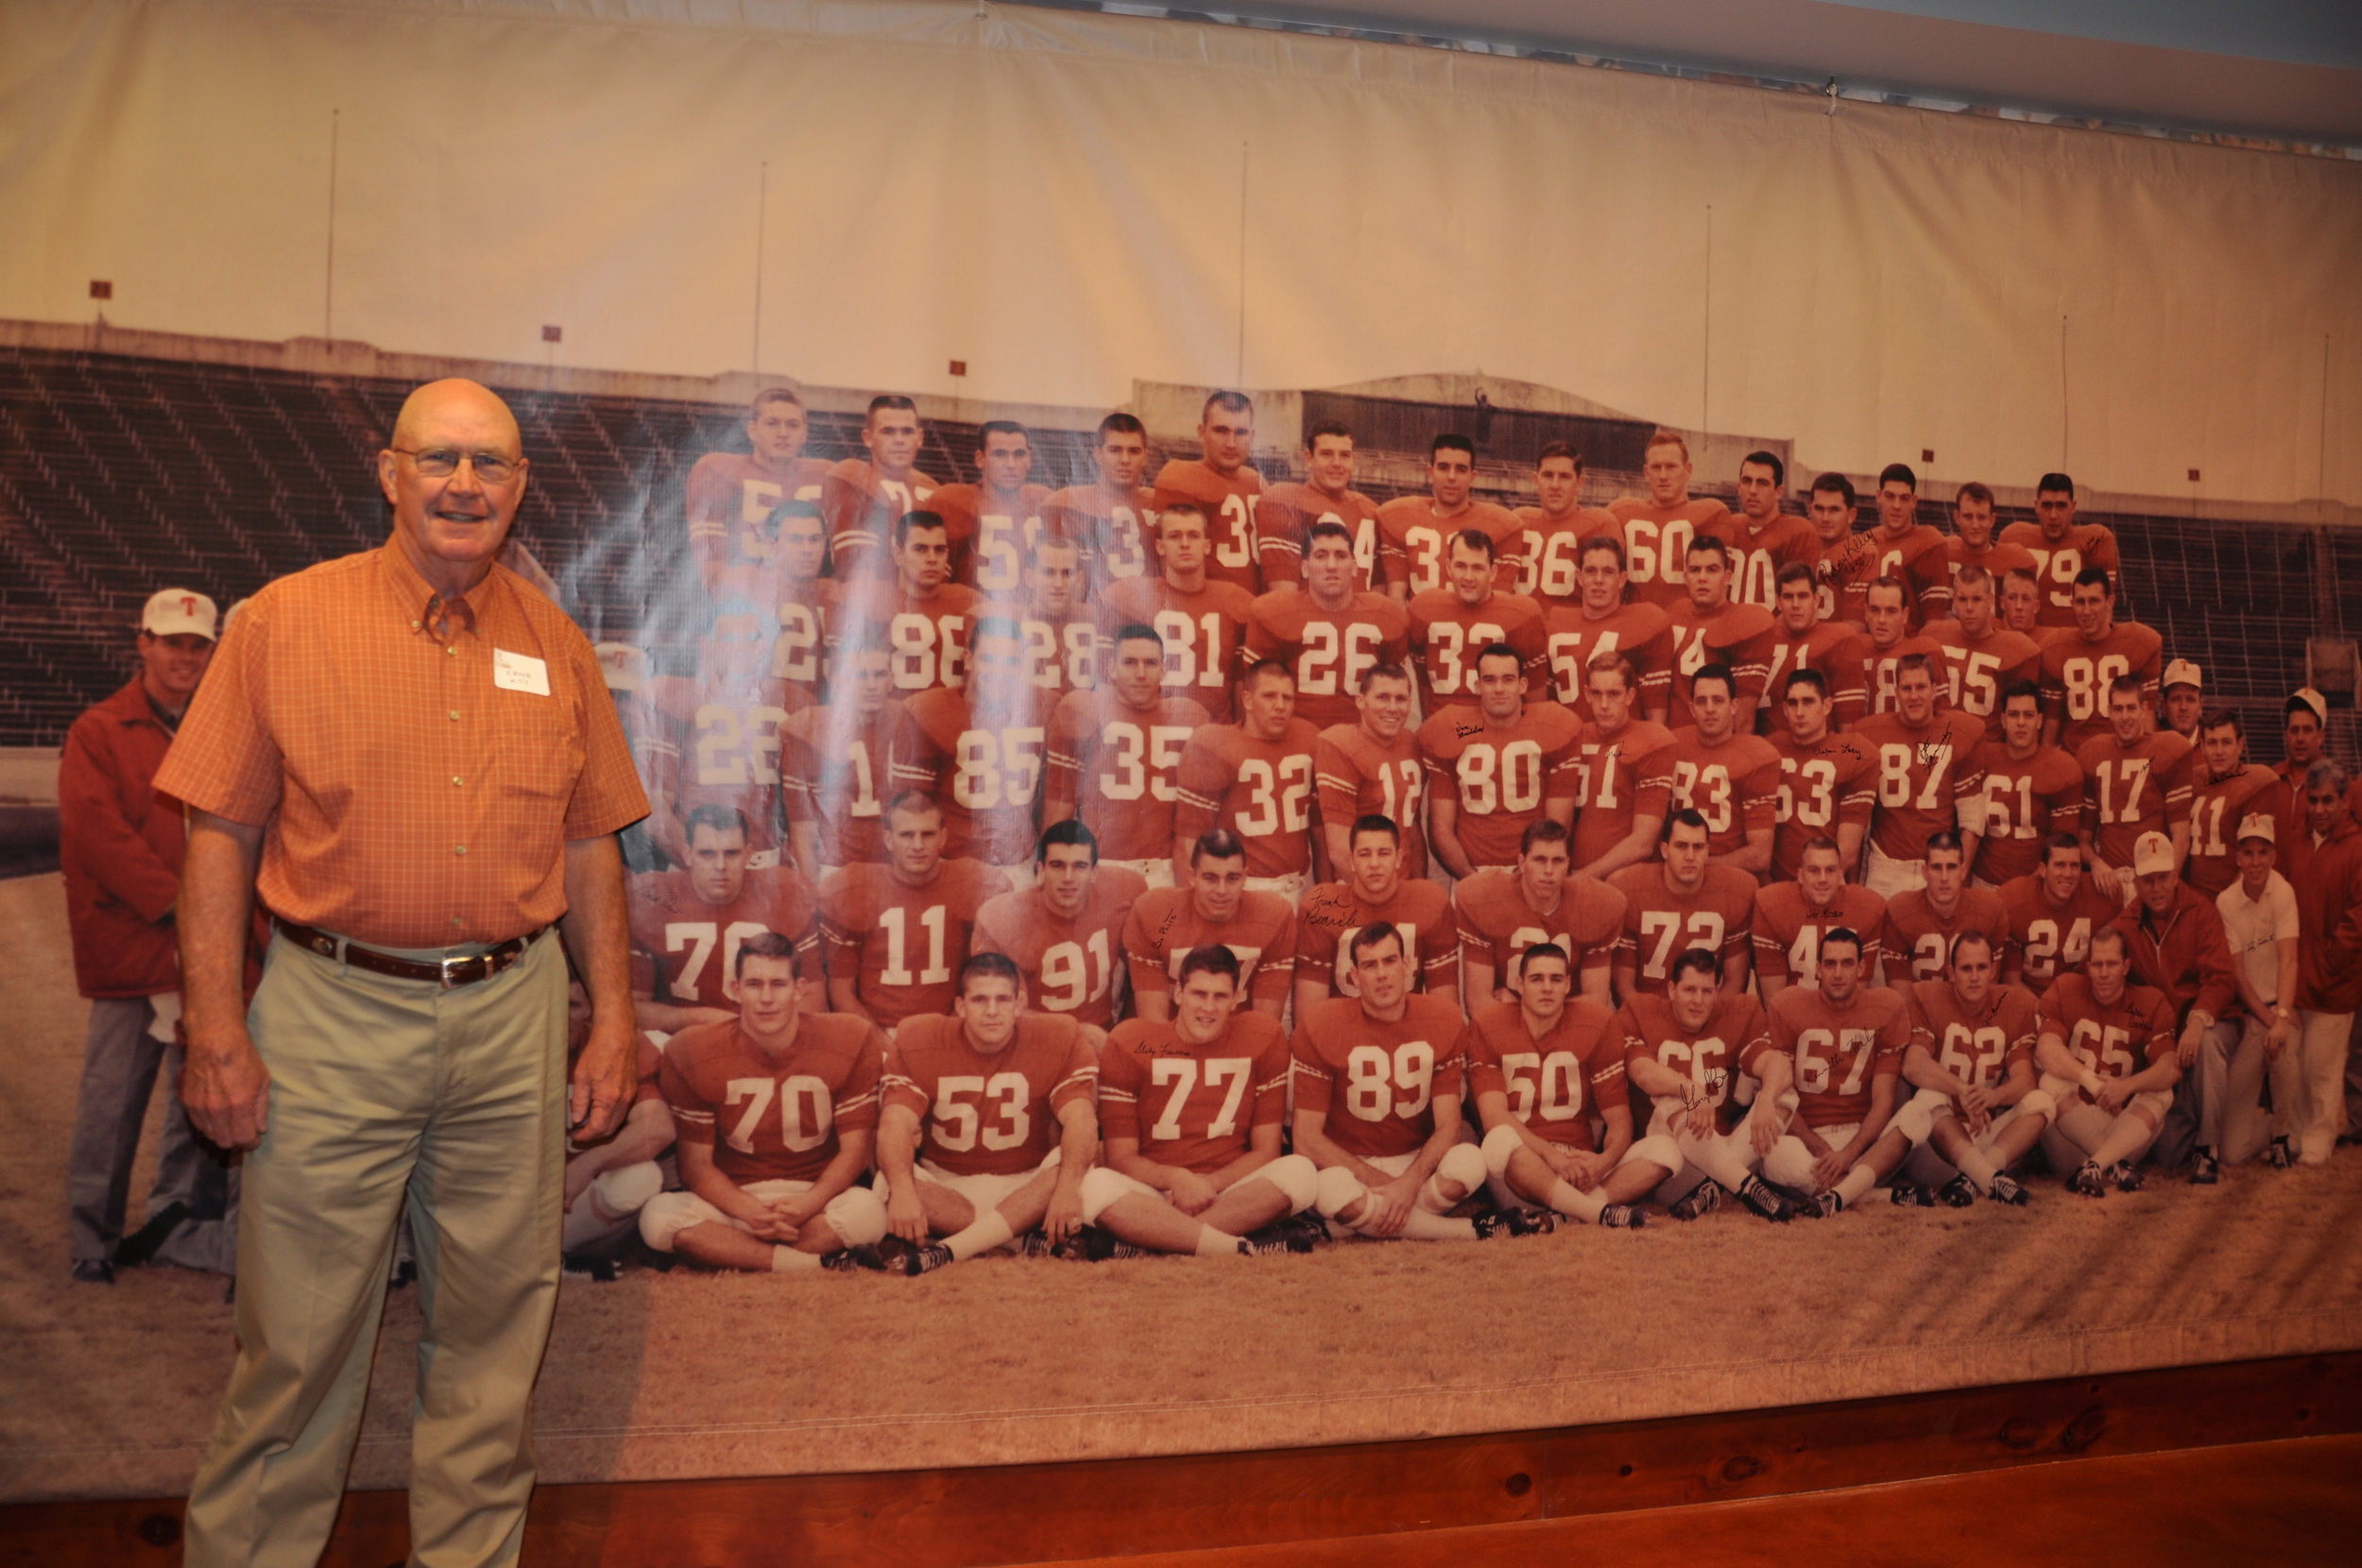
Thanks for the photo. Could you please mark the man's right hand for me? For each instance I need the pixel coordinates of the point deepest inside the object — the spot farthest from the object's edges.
(1389, 1207)
(906, 1217)
(226, 1087)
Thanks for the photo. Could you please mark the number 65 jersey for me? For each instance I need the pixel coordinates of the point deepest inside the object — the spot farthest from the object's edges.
(2113, 1040)
(989, 1113)
(1377, 1082)
(773, 1118)
(1193, 1106)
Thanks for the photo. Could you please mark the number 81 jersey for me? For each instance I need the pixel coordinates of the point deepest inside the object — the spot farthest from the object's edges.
(988, 1113)
(1375, 1081)
(1193, 1106)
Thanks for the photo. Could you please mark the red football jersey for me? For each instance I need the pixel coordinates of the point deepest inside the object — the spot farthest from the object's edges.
(1228, 503)
(1923, 773)
(1259, 790)
(1330, 913)
(1660, 924)
(1501, 778)
(1824, 785)
(1732, 1040)
(1496, 924)
(1977, 671)
(1062, 655)
(1285, 514)
(807, 614)
(1415, 542)
(834, 769)
(1977, 1045)
(1195, 1107)
(2077, 673)
(1550, 552)
(1879, 667)
(2128, 791)
(1734, 786)
(2058, 563)
(1918, 935)
(723, 749)
(773, 1118)
(685, 950)
(1641, 632)
(1825, 648)
(1846, 569)
(1756, 557)
(926, 638)
(1068, 962)
(1327, 650)
(1922, 559)
(1113, 530)
(1164, 926)
(1354, 776)
(2045, 939)
(1788, 930)
(902, 945)
(990, 535)
(731, 497)
(1617, 777)
(2216, 806)
(1447, 636)
(1121, 766)
(1998, 558)
(1556, 1082)
(989, 1113)
(1203, 632)
(1738, 636)
(2024, 803)
(983, 768)
(860, 505)
(1840, 1051)
(1656, 543)
(2113, 1040)
(1376, 1082)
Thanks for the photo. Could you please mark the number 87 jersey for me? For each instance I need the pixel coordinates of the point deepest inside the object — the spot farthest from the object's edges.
(1193, 1106)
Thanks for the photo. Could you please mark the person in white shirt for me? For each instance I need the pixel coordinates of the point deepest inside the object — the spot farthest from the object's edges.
(2259, 919)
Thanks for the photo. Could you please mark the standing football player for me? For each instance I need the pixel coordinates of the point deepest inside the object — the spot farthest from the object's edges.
(687, 924)
(996, 521)
(1066, 930)
(1657, 528)
(863, 498)
(1603, 624)
(1414, 531)
(1254, 778)
(1793, 919)
(1709, 628)
(979, 752)
(1727, 775)
(833, 762)
(1372, 766)
(1552, 534)
(1203, 622)
(1983, 657)
(1764, 541)
(1223, 485)
(1922, 923)
(1451, 623)
(1926, 768)
(1115, 756)
(1623, 773)
(917, 612)
(2136, 780)
(1829, 781)
(1494, 767)
(732, 496)
(1678, 904)
(1285, 514)
(1327, 632)
(2030, 791)
(1112, 518)
(2079, 666)
(2053, 911)
(2063, 547)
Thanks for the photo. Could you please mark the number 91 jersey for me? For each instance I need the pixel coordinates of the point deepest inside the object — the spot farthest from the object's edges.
(773, 1118)
(1978, 1048)
(1377, 1082)
(1193, 1106)
(988, 1113)
(1067, 964)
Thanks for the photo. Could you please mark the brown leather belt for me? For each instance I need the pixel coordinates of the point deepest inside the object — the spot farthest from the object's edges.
(449, 973)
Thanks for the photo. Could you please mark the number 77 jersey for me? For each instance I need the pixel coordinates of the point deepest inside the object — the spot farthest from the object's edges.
(1193, 1106)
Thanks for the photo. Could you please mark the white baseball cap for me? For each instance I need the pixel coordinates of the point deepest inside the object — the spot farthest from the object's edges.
(2181, 673)
(170, 612)
(626, 666)
(2152, 853)
(2255, 825)
(2312, 699)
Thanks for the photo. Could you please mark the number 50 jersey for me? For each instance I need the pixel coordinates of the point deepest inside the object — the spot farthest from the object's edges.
(989, 1113)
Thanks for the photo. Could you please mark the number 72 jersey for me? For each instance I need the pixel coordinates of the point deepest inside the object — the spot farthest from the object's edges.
(1193, 1106)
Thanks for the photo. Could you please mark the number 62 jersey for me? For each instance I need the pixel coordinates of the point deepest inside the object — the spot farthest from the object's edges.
(1978, 1048)
(989, 1113)
(1377, 1082)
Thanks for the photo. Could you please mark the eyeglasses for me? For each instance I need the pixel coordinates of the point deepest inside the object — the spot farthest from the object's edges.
(442, 462)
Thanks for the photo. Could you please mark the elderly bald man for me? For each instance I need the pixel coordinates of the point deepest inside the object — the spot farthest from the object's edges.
(411, 757)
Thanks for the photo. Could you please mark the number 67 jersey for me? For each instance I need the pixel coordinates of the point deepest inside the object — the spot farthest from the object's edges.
(1193, 1106)
(1377, 1082)
(989, 1113)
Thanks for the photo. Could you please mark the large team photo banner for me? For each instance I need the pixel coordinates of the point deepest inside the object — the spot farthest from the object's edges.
(1345, 741)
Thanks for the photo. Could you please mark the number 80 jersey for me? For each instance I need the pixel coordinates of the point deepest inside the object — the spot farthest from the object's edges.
(1193, 1106)
(988, 1113)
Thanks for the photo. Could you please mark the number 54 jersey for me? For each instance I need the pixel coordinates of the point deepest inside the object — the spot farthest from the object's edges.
(773, 1118)
(1377, 1082)
(989, 1113)
(1193, 1106)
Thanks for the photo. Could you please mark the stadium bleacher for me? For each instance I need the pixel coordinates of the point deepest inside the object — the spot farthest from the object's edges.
(120, 473)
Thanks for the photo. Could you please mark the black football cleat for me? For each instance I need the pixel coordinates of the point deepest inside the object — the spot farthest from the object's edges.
(924, 1260)
(1703, 1199)
(1909, 1195)
(93, 1270)
(1512, 1222)
(1757, 1195)
(2279, 1155)
(2006, 1189)
(848, 1260)
(598, 1270)
(1272, 1241)
(2205, 1170)
(1960, 1192)
(1622, 1216)
(2126, 1177)
(1310, 1226)
(1827, 1206)
(2088, 1181)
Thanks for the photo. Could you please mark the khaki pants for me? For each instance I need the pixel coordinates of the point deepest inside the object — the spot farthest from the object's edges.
(386, 1094)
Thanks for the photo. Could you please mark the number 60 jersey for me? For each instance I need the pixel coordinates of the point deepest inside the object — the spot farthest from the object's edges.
(989, 1113)
(1377, 1082)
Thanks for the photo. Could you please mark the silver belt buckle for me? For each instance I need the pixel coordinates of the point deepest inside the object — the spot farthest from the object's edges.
(449, 964)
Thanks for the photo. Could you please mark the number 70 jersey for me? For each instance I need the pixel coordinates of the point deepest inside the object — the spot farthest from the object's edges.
(1193, 1106)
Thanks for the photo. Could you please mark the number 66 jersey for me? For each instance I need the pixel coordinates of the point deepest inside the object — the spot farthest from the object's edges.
(1193, 1106)
(988, 1113)
(1377, 1082)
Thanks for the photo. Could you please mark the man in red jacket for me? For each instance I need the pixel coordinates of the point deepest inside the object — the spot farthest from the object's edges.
(2328, 878)
(2175, 939)
(120, 848)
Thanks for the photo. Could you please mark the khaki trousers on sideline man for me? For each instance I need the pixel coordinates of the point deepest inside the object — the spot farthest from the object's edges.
(386, 1092)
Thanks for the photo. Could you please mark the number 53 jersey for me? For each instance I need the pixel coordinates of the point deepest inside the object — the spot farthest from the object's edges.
(1377, 1082)
(989, 1113)
(1193, 1106)
(773, 1118)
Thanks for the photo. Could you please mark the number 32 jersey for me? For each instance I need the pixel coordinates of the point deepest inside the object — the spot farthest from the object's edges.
(989, 1113)
(1377, 1082)
(1259, 790)
(1193, 1106)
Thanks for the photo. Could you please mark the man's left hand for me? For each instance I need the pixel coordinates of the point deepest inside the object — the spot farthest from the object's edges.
(603, 1080)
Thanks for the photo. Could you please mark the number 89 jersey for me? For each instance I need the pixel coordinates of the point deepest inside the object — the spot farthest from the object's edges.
(773, 1118)
(1193, 1106)
(988, 1113)
(1978, 1048)
(1377, 1082)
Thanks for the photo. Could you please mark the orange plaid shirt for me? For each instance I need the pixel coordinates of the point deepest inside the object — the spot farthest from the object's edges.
(407, 799)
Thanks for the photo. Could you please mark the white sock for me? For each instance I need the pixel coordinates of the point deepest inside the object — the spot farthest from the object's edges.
(1582, 1205)
(1857, 1182)
(1978, 1167)
(1214, 1243)
(1423, 1226)
(786, 1260)
(989, 1231)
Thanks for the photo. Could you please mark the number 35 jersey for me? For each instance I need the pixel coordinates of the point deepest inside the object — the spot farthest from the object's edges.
(901, 944)
(773, 1118)
(1118, 767)
(989, 1113)
(1377, 1082)
(1193, 1106)
(1068, 962)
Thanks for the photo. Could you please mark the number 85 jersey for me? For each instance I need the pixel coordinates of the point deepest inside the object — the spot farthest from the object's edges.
(1377, 1082)
(988, 1113)
(1193, 1106)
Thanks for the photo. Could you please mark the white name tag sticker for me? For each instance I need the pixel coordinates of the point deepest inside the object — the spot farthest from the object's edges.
(520, 672)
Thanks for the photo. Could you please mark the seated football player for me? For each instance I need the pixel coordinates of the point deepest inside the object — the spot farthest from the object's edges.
(777, 1110)
(1700, 1052)
(1192, 1111)
(1115, 756)
(2053, 913)
(988, 1127)
(1495, 765)
(1972, 1060)
(896, 934)
(607, 1183)
(1063, 931)
(2105, 1052)
(1378, 1095)
(1372, 766)
(1501, 914)
(1373, 890)
(1214, 906)
(1543, 1068)
(686, 925)
(1846, 1038)
(1792, 919)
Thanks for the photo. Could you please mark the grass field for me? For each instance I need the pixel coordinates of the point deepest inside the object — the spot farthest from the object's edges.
(111, 1390)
